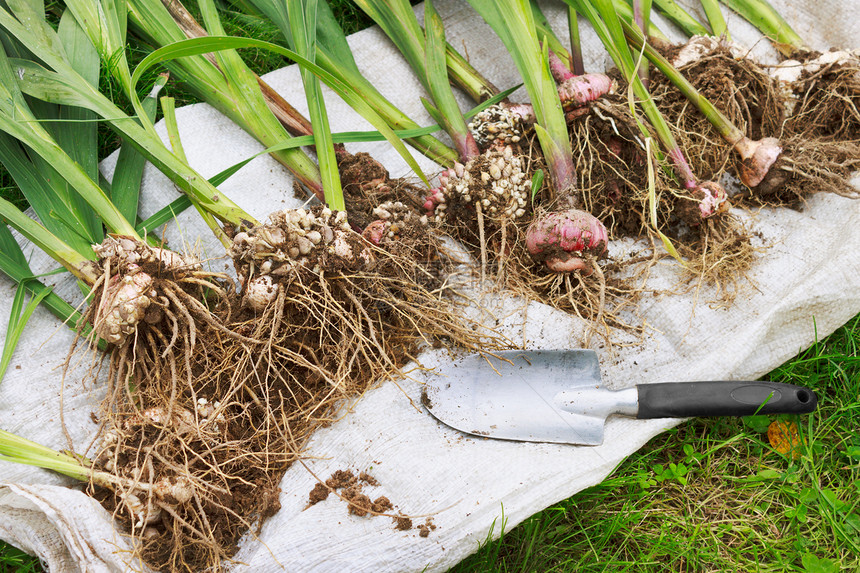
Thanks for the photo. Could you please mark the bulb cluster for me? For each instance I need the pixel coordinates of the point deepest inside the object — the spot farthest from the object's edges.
(173, 490)
(206, 411)
(293, 240)
(124, 252)
(392, 219)
(123, 305)
(496, 180)
(129, 293)
(496, 125)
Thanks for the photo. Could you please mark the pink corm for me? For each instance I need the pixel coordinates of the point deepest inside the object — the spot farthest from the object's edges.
(580, 90)
(713, 199)
(375, 231)
(437, 194)
(564, 240)
(757, 157)
(573, 90)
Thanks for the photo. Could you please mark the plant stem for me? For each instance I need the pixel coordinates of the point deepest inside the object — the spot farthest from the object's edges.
(763, 16)
(681, 18)
(757, 157)
(715, 18)
(543, 29)
(439, 86)
(80, 266)
(20, 450)
(546, 34)
(303, 19)
(428, 145)
(467, 78)
(641, 18)
(625, 12)
(576, 63)
(426, 53)
(168, 109)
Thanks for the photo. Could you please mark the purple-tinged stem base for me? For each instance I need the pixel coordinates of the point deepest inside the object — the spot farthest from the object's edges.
(559, 70)
(683, 169)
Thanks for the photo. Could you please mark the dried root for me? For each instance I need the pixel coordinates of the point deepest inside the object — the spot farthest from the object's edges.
(721, 258)
(810, 165)
(213, 396)
(822, 95)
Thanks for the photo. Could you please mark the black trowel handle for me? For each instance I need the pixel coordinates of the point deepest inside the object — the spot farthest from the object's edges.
(725, 398)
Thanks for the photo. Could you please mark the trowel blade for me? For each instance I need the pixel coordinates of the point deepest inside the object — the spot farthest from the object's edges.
(513, 395)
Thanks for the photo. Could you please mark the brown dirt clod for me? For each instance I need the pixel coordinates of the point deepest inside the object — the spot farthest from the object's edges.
(318, 493)
(402, 523)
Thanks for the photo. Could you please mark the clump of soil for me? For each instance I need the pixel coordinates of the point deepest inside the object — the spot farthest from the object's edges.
(318, 493)
(367, 185)
(350, 488)
(425, 528)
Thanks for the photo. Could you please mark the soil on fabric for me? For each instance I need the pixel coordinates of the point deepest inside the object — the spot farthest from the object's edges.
(425, 528)
(214, 399)
(350, 488)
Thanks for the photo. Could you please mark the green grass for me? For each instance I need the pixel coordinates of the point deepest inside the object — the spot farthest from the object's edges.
(708, 495)
(14, 560)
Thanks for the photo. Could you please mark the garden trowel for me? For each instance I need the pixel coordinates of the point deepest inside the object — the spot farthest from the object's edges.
(557, 396)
